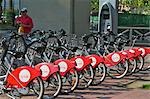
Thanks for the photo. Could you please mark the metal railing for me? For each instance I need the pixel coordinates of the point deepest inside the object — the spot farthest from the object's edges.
(133, 31)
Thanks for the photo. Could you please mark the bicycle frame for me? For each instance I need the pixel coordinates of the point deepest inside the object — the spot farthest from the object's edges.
(47, 69)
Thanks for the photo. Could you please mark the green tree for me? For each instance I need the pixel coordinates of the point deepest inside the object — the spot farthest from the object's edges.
(94, 5)
(1, 2)
(137, 6)
(11, 13)
(11, 4)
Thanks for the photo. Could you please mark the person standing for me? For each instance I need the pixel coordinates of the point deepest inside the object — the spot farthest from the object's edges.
(24, 22)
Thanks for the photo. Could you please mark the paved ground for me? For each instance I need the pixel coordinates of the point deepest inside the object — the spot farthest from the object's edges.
(127, 88)
(115, 89)
(134, 94)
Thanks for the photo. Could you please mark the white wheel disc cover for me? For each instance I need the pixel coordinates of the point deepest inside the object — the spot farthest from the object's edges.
(115, 57)
(124, 53)
(79, 63)
(143, 51)
(24, 75)
(93, 61)
(45, 70)
(63, 66)
(132, 51)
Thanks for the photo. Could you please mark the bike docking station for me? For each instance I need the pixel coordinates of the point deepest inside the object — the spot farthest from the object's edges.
(108, 15)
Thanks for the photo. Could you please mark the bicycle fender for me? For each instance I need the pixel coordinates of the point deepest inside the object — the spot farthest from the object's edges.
(144, 50)
(64, 66)
(137, 52)
(22, 76)
(81, 62)
(47, 69)
(96, 60)
(129, 53)
(113, 59)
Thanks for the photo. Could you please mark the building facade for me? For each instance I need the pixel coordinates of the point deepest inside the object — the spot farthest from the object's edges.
(71, 15)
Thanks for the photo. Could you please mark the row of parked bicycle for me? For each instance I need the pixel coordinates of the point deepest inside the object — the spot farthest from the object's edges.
(51, 63)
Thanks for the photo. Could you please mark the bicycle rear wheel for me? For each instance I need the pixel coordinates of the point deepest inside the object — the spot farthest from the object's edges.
(86, 77)
(70, 81)
(119, 70)
(54, 85)
(99, 74)
(35, 89)
(132, 66)
(140, 64)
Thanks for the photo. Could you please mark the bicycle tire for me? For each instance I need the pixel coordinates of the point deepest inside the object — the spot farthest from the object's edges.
(84, 80)
(36, 91)
(54, 85)
(114, 72)
(132, 66)
(140, 64)
(68, 83)
(99, 74)
(41, 85)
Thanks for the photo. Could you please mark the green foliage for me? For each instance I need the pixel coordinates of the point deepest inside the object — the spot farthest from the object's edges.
(136, 3)
(94, 5)
(137, 6)
(146, 86)
(1, 2)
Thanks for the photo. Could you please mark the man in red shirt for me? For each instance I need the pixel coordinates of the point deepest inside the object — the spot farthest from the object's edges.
(25, 22)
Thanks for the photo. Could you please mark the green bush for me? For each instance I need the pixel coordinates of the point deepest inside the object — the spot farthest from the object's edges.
(146, 86)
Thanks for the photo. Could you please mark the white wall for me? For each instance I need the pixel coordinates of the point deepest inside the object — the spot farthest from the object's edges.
(82, 13)
(56, 14)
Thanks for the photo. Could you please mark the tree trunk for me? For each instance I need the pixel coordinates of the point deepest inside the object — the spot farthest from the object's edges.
(11, 5)
(1, 9)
